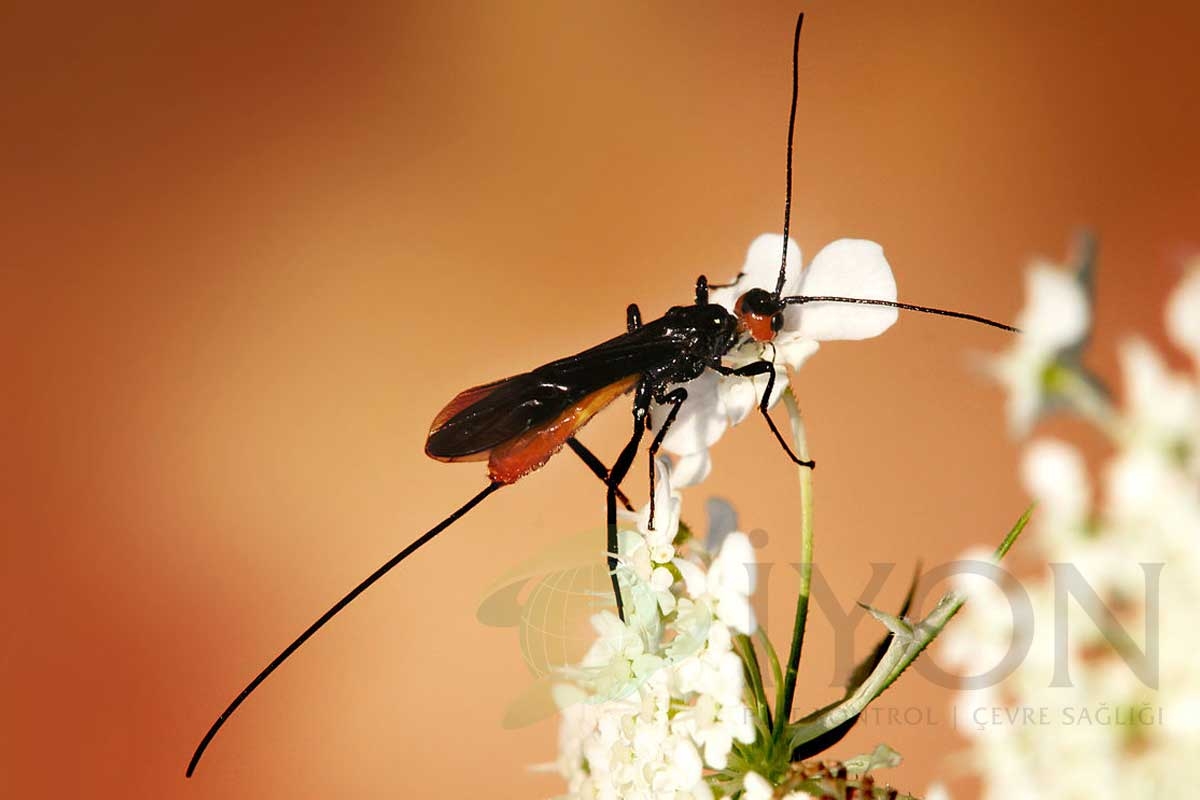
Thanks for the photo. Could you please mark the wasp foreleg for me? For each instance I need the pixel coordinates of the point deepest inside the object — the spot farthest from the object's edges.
(675, 398)
(767, 368)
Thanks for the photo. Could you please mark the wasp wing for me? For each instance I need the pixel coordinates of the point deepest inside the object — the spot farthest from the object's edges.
(485, 417)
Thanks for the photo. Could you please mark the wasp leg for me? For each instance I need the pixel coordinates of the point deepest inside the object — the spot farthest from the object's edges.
(675, 398)
(761, 368)
(641, 409)
(633, 317)
(731, 284)
(597, 467)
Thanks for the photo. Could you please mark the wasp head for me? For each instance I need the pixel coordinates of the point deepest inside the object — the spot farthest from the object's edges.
(760, 314)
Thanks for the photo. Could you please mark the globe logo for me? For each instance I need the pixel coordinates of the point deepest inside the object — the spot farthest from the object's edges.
(550, 600)
(553, 629)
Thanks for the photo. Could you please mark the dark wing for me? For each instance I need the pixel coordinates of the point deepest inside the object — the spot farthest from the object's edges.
(487, 416)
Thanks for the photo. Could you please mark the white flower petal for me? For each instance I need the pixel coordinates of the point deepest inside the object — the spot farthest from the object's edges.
(763, 259)
(845, 268)
(756, 787)
(694, 580)
(1054, 473)
(937, 791)
(761, 270)
(1163, 407)
(686, 762)
(661, 579)
(793, 349)
(717, 745)
(1056, 313)
(1183, 313)
(692, 468)
(722, 521)
(666, 510)
(734, 610)
(733, 568)
(701, 420)
(738, 397)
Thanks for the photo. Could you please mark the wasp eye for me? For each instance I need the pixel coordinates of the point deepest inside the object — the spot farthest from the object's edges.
(759, 302)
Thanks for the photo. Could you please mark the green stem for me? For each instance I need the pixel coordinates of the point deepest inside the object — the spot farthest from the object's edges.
(787, 690)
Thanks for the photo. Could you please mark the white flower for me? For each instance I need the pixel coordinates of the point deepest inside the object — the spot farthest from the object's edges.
(1163, 409)
(844, 268)
(618, 661)
(667, 504)
(661, 697)
(1055, 475)
(1113, 729)
(756, 787)
(1183, 313)
(728, 584)
(937, 791)
(1055, 320)
(981, 635)
(646, 551)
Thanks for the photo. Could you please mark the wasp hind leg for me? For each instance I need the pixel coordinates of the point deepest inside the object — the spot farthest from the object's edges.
(641, 410)
(597, 467)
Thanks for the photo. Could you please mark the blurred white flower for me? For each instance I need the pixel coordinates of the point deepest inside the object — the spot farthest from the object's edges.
(1090, 719)
(1162, 409)
(937, 791)
(978, 640)
(1183, 313)
(756, 787)
(1055, 321)
(844, 268)
(1055, 475)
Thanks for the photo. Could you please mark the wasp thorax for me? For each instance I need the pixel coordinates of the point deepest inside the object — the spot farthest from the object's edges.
(760, 314)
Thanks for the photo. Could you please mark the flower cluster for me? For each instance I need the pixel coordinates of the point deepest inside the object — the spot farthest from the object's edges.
(1109, 692)
(660, 698)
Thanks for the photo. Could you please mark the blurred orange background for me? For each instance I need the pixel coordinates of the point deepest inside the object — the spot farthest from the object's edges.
(252, 250)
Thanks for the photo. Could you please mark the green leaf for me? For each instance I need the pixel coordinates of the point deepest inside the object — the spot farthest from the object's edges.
(898, 627)
(857, 677)
(907, 641)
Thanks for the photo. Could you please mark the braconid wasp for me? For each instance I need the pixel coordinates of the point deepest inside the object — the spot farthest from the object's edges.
(518, 423)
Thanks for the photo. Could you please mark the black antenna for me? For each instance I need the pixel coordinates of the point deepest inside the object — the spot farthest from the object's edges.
(798, 300)
(330, 614)
(787, 200)
(787, 221)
